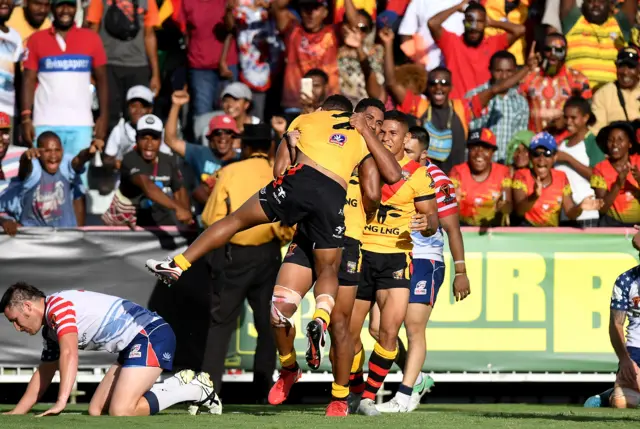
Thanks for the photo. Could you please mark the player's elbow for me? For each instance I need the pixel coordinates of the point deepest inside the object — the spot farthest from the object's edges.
(393, 176)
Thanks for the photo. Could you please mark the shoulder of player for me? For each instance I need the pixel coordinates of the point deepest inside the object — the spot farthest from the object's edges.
(58, 302)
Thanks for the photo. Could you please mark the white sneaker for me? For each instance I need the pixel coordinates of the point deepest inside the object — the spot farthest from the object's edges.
(184, 377)
(393, 406)
(209, 398)
(167, 270)
(419, 390)
(368, 408)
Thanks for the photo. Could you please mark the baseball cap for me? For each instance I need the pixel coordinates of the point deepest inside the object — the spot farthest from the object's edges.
(388, 18)
(627, 56)
(543, 140)
(149, 125)
(59, 2)
(237, 90)
(253, 132)
(483, 136)
(222, 122)
(5, 121)
(140, 92)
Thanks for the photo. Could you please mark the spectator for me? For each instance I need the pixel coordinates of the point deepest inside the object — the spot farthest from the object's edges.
(483, 187)
(205, 161)
(617, 179)
(518, 151)
(10, 56)
(62, 100)
(151, 181)
(548, 88)
(236, 100)
(48, 186)
(507, 112)
(250, 268)
(309, 45)
(207, 25)
(618, 101)
(514, 11)
(467, 56)
(259, 51)
(415, 36)
(9, 155)
(132, 55)
(542, 192)
(31, 17)
(594, 35)
(319, 91)
(574, 157)
(123, 137)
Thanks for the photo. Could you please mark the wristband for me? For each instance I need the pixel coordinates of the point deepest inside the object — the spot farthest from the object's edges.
(460, 274)
(26, 112)
(458, 262)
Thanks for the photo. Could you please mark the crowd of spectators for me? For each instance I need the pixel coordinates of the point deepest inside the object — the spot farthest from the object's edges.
(123, 112)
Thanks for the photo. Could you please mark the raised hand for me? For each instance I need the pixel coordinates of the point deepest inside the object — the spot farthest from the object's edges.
(180, 97)
(386, 36)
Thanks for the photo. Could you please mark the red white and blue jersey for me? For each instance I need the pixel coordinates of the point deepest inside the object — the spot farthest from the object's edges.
(433, 247)
(63, 95)
(102, 322)
(626, 297)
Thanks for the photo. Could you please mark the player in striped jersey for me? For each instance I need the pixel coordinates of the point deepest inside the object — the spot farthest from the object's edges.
(427, 277)
(75, 320)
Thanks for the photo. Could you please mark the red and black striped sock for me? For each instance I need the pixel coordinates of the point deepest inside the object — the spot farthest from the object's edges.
(380, 363)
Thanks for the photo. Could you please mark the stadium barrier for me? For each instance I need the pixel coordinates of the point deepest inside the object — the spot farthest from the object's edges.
(538, 310)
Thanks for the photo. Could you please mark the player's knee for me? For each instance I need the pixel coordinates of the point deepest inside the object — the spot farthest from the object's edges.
(374, 331)
(623, 397)
(121, 410)
(284, 304)
(339, 325)
(95, 411)
(415, 332)
(388, 337)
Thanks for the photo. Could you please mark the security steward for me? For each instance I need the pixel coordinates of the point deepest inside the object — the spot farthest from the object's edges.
(249, 266)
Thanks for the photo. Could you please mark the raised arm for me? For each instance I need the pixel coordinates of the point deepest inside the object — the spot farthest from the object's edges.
(85, 155)
(178, 99)
(566, 6)
(398, 92)
(350, 12)
(369, 178)
(435, 23)
(630, 8)
(281, 14)
(514, 31)
(26, 166)
(390, 170)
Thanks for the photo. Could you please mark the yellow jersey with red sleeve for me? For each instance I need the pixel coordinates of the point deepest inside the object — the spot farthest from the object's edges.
(354, 216)
(338, 149)
(389, 231)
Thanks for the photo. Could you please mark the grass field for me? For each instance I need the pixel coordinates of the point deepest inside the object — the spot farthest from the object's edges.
(474, 416)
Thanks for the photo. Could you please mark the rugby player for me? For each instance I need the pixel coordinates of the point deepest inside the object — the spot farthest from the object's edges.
(311, 193)
(406, 206)
(75, 320)
(427, 277)
(363, 197)
(625, 304)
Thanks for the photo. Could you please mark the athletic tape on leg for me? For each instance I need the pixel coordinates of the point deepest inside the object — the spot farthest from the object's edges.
(283, 295)
(325, 302)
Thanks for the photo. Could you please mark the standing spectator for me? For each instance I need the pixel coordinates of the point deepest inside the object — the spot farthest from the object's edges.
(483, 188)
(259, 50)
(132, 55)
(414, 32)
(9, 155)
(542, 192)
(31, 17)
(123, 137)
(208, 24)
(507, 112)
(61, 102)
(10, 56)
(467, 56)
(205, 161)
(518, 151)
(49, 183)
(594, 36)
(618, 101)
(514, 11)
(574, 157)
(252, 260)
(617, 179)
(151, 181)
(309, 44)
(548, 88)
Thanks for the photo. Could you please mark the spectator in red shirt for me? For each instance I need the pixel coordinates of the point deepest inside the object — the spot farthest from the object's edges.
(548, 88)
(542, 192)
(468, 56)
(208, 24)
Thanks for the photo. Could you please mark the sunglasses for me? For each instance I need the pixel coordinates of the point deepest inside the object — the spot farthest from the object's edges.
(220, 133)
(364, 28)
(556, 50)
(546, 153)
(443, 82)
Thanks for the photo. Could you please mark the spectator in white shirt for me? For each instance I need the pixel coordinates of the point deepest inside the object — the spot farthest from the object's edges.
(10, 55)
(123, 137)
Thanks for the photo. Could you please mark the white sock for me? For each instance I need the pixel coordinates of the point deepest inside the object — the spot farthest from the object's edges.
(418, 380)
(161, 397)
(403, 399)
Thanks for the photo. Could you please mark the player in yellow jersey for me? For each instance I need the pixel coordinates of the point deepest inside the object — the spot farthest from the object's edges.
(406, 206)
(363, 197)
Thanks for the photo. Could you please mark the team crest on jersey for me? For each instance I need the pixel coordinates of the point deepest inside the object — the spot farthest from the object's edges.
(433, 182)
(352, 267)
(421, 288)
(338, 139)
(54, 322)
(135, 352)
(405, 175)
(398, 275)
(446, 191)
(292, 248)
(166, 356)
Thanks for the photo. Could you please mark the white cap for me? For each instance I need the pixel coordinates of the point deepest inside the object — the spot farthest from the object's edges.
(237, 90)
(150, 124)
(140, 92)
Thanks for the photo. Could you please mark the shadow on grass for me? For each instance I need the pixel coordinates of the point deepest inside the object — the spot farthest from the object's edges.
(566, 415)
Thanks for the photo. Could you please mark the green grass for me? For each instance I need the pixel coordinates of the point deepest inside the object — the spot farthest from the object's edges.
(470, 416)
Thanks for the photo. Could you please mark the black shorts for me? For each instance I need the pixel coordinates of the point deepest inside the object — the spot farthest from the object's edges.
(350, 264)
(308, 198)
(383, 271)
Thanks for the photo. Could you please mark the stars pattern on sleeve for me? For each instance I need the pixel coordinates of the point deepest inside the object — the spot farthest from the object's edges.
(621, 288)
